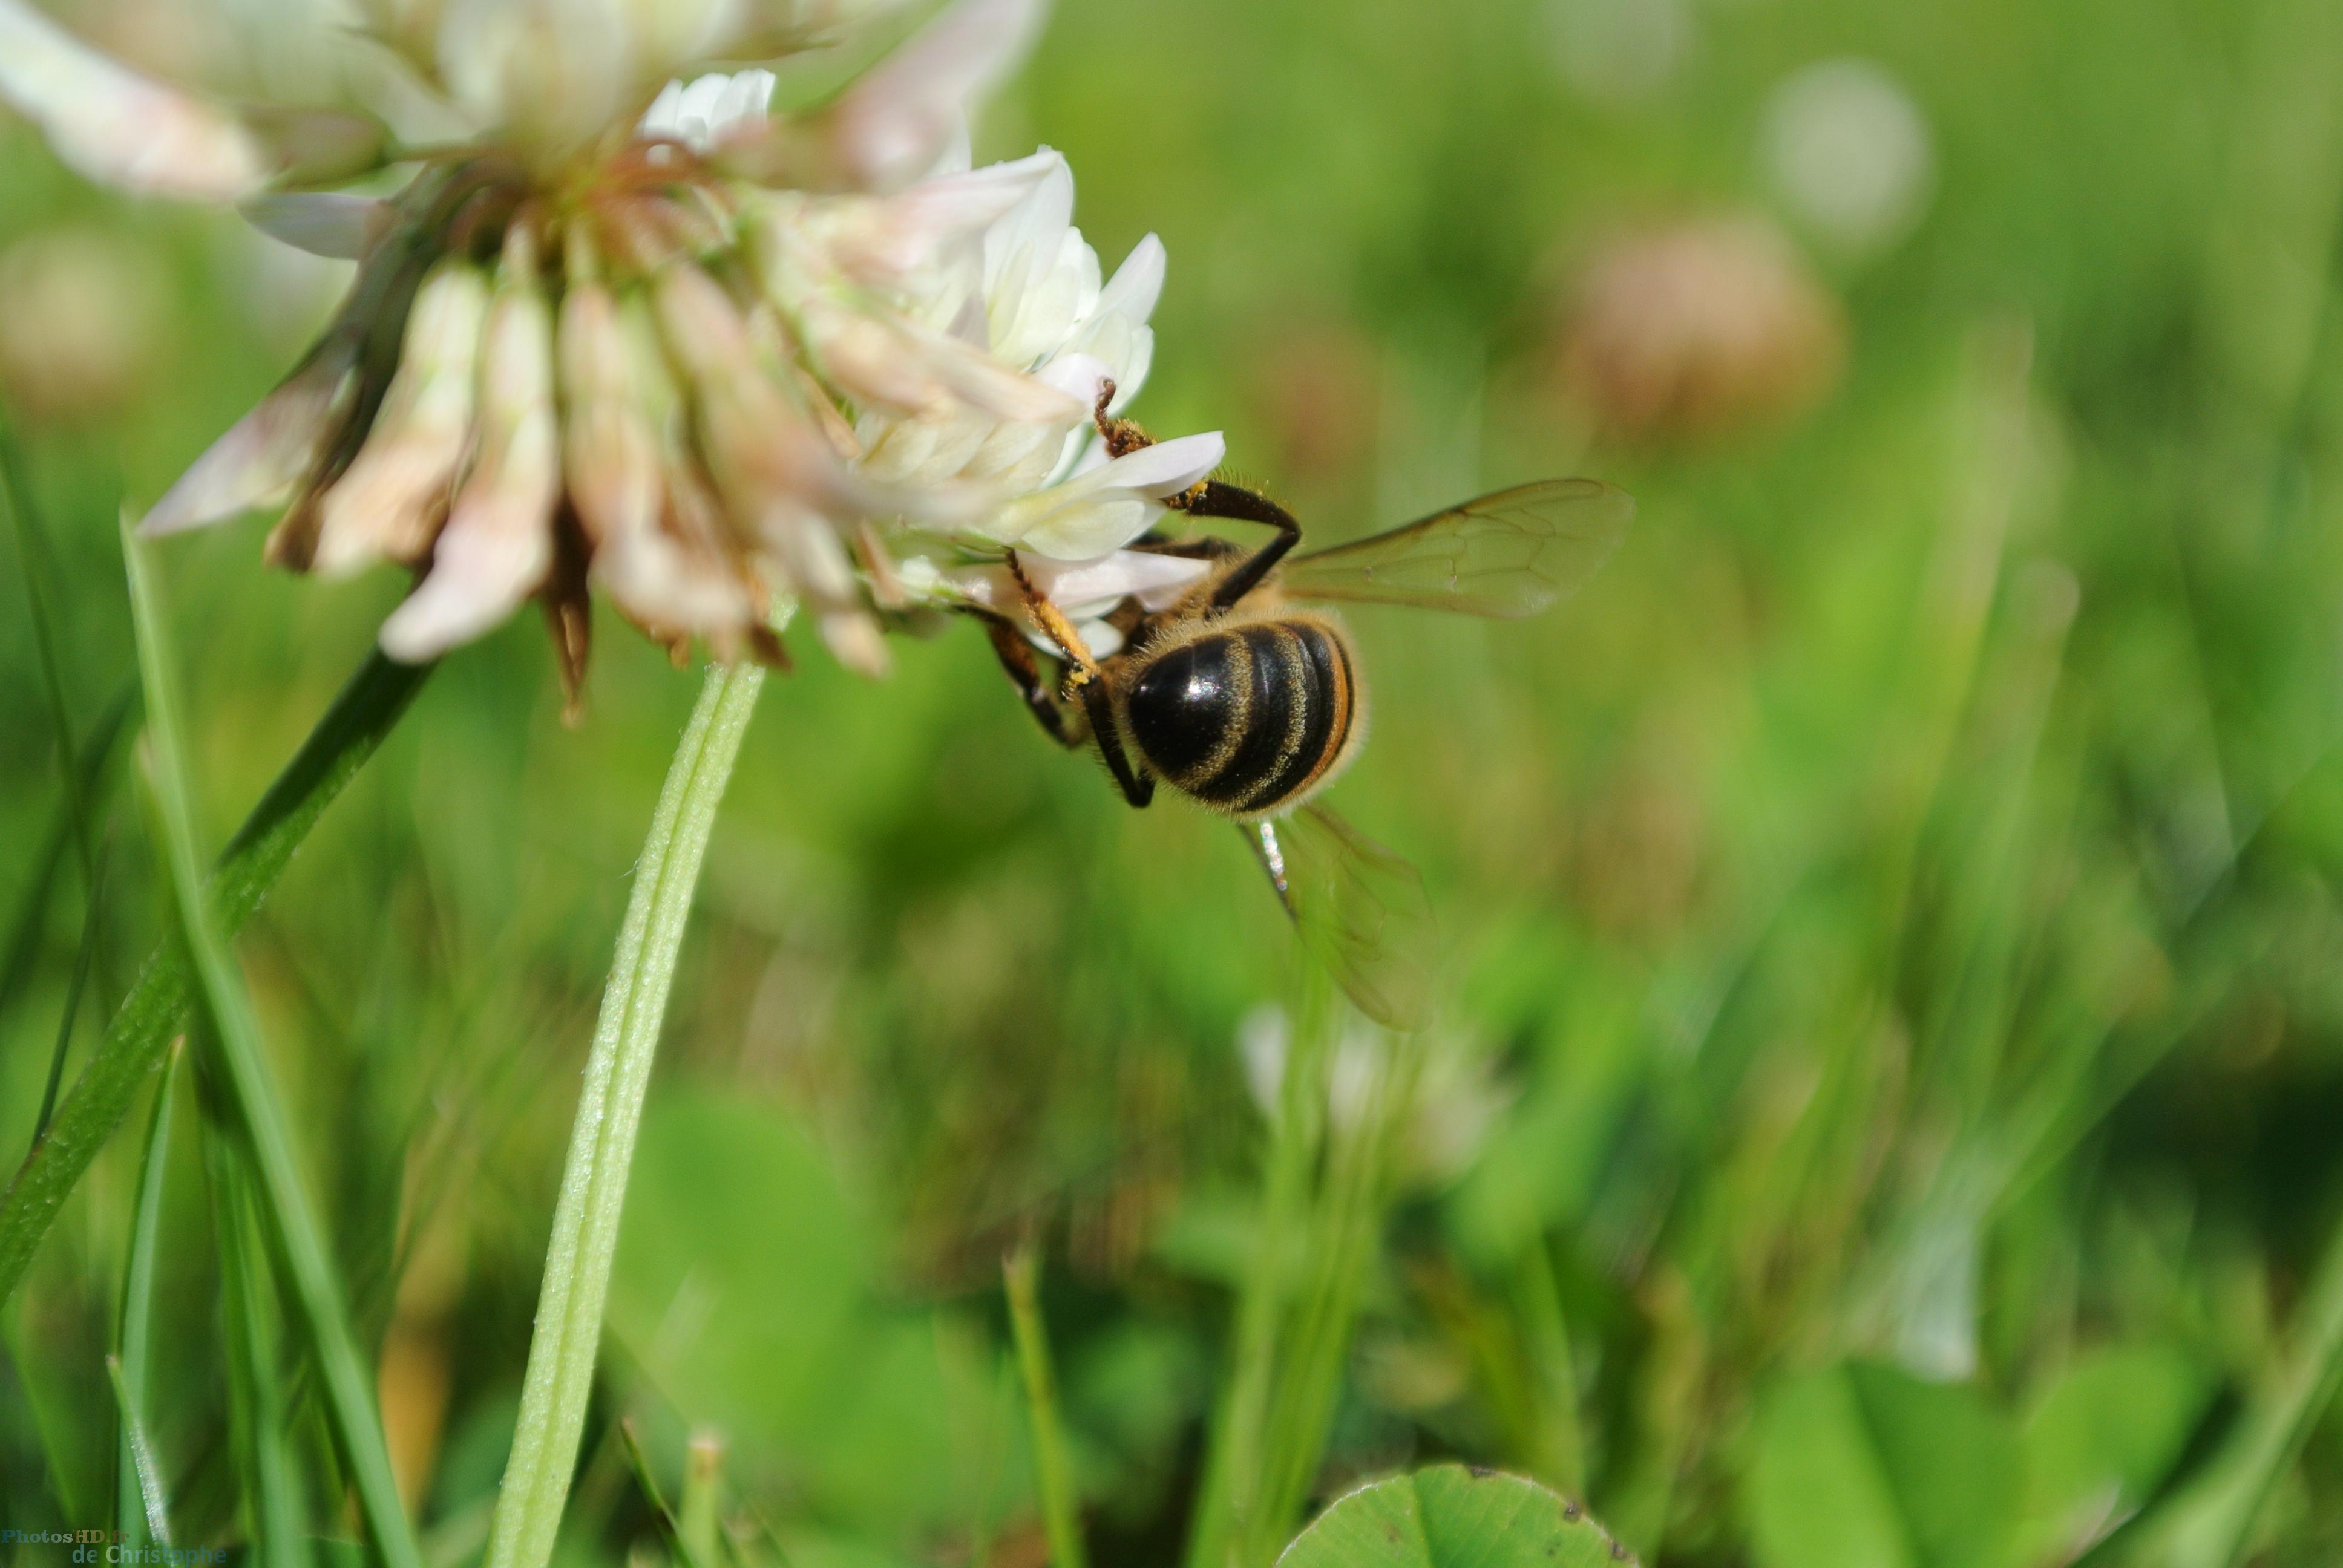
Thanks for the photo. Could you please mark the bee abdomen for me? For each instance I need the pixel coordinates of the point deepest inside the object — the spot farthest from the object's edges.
(1247, 719)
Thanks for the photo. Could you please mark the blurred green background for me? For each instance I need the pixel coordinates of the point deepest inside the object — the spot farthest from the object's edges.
(1888, 1110)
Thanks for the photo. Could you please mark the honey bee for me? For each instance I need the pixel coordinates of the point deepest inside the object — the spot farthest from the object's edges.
(1244, 696)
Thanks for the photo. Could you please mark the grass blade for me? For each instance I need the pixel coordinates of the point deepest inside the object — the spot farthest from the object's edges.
(141, 1459)
(703, 1476)
(83, 959)
(2211, 1524)
(1561, 1448)
(365, 711)
(1343, 1230)
(1230, 1496)
(670, 1529)
(348, 1389)
(26, 932)
(560, 1376)
(133, 1325)
(31, 548)
(54, 1424)
(1060, 1510)
(249, 1316)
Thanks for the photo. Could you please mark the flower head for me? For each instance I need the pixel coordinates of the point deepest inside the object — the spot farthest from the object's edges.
(661, 339)
(1698, 327)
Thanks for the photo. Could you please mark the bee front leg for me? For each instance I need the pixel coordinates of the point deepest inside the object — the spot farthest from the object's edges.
(1219, 499)
(1120, 436)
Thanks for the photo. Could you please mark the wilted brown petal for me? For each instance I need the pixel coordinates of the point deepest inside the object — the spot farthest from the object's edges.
(569, 611)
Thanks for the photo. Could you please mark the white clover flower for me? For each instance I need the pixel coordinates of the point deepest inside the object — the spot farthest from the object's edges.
(1030, 297)
(656, 339)
(709, 111)
(1849, 152)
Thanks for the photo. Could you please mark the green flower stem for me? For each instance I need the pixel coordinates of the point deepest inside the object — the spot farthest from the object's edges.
(157, 1007)
(560, 1374)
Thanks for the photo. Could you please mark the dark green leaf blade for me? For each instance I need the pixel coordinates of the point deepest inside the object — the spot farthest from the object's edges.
(93, 1109)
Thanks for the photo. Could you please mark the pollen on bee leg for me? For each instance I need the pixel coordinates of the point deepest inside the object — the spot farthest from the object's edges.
(1051, 622)
(1120, 436)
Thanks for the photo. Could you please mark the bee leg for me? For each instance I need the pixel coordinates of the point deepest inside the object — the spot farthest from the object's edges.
(1016, 656)
(1120, 435)
(1138, 785)
(1217, 499)
(1209, 498)
(1051, 622)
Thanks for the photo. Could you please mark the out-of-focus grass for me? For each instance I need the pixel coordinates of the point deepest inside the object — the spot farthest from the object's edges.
(1886, 1112)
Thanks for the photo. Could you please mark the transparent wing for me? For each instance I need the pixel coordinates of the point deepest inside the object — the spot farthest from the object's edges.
(1359, 909)
(1507, 555)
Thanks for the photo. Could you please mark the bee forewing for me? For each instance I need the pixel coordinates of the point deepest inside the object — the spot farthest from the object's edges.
(1359, 909)
(1506, 554)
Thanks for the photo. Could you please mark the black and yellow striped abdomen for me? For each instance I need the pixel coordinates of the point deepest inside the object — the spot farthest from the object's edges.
(1250, 718)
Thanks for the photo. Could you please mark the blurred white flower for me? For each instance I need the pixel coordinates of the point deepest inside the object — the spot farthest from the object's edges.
(1700, 327)
(1620, 51)
(664, 342)
(77, 323)
(113, 124)
(1850, 153)
(1442, 1102)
